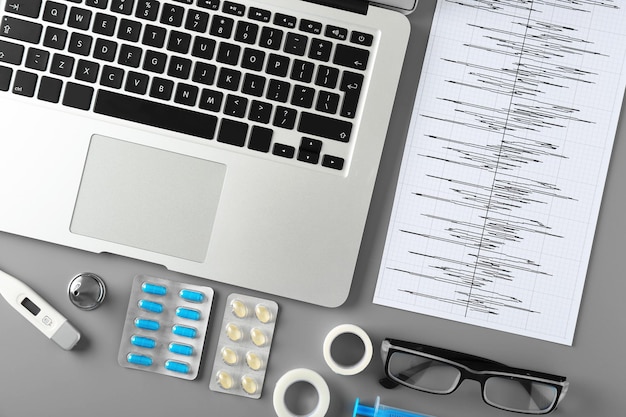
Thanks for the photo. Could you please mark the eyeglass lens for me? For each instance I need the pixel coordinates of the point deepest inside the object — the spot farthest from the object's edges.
(432, 375)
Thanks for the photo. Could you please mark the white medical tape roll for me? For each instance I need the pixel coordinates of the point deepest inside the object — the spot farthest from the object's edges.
(301, 375)
(360, 365)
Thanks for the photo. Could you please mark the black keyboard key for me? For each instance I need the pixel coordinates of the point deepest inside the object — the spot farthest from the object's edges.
(327, 76)
(128, 30)
(105, 50)
(179, 67)
(360, 38)
(320, 50)
(228, 79)
(77, 96)
(54, 12)
(136, 83)
(29, 8)
(285, 117)
(253, 85)
(325, 127)
(351, 84)
(130, 56)
(122, 6)
(234, 8)
(351, 57)
(203, 48)
(236, 106)
(278, 91)
(284, 20)
(5, 78)
(246, 32)
(154, 61)
(204, 73)
(296, 44)
(62, 65)
(233, 132)
(55, 38)
(253, 59)
(327, 102)
(277, 65)
(302, 71)
(50, 89)
(260, 139)
(179, 42)
(79, 18)
(87, 71)
(197, 21)
(308, 157)
(222, 27)
(333, 162)
(211, 100)
(271, 38)
(186, 94)
(336, 32)
(24, 83)
(228, 53)
(311, 26)
(161, 88)
(303, 96)
(154, 114)
(98, 4)
(147, 10)
(153, 36)
(260, 112)
(260, 15)
(37, 59)
(104, 24)
(311, 145)
(11, 53)
(285, 151)
(111, 77)
(172, 15)
(209, 4)
(22, 30)
(80, 44)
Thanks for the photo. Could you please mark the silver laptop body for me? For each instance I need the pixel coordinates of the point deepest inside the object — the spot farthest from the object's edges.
(222, 179)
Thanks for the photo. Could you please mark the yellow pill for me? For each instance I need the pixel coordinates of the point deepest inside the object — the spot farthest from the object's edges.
(239, 308)
(233, 332)
(254, 361)
(263, 313)
(229, 356)
(258, 337)
(249, 384)
(224, 379)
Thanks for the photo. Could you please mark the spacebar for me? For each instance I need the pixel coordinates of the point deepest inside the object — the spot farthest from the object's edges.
(155, 114)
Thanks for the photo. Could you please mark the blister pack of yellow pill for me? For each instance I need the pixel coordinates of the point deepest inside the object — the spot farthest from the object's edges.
(165, 328)
(244, 345)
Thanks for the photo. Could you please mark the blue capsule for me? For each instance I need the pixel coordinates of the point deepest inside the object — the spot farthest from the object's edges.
(150, 306)
(155, 289)
(193, 296)
(181, 349)
(175, 366)
(144, 342)
(184, 331)
(147, 324)
(188, 313)
(137, 359)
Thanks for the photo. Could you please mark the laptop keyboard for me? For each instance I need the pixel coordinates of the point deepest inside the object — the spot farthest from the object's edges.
(267, 82)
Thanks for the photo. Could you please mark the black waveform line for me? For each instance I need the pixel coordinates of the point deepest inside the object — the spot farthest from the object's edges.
(536, 50)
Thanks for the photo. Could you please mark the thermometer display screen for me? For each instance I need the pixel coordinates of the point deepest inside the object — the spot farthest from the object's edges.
(30, 306)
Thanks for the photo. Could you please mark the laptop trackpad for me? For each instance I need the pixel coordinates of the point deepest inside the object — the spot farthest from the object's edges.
(148, 198)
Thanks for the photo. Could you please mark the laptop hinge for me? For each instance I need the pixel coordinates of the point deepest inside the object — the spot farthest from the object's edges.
(355, 6)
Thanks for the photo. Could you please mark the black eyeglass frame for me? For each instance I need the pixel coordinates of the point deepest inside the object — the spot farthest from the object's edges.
(470, 367)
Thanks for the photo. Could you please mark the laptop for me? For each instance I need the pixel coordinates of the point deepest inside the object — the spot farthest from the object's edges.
(237, 141)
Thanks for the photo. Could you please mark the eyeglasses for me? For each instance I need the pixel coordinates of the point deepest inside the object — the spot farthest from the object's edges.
(441, 371)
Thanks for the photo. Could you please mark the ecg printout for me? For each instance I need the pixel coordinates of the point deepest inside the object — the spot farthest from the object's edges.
(505, 164)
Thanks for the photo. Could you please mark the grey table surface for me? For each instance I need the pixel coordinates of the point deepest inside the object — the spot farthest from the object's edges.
(39, 379)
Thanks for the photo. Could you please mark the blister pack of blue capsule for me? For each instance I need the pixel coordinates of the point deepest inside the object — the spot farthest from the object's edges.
(165, 328)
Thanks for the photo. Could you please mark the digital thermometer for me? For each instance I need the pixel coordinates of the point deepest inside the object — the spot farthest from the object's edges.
(37, 311)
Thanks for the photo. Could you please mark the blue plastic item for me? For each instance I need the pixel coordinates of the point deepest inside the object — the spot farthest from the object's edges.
(188, 313)
(144, 342)
(147, 324)
(175, 366)
(380, 410)
(190, 295)
(184, 331)
(155, 289)
(150, 306)
(137, 359)
(181, 349)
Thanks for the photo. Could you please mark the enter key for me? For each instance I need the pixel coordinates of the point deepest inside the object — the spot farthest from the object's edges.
(351, 85)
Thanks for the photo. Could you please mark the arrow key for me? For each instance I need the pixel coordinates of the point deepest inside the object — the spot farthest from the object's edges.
(28, 8)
